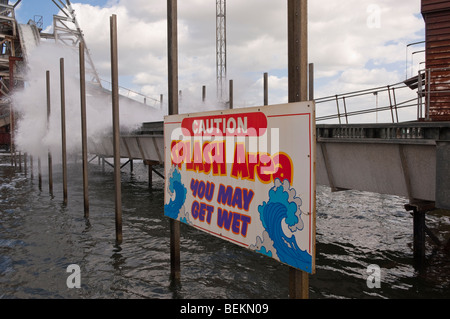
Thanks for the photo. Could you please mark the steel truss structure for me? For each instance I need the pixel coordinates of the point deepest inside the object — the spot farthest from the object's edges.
(67, 32)
(221, 48)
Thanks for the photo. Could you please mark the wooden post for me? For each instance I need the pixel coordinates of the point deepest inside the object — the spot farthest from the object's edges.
(231, 95)
(266, 88)
(311, 82)
(150, 176)
(63, 129)
(116, 127)
(31, 167)
(39, 174)
(84, 130)
(50, 160)
(298, 50)
(25, 160)
(419, 238)
(172, 37)
(420, 230)
(298, 91)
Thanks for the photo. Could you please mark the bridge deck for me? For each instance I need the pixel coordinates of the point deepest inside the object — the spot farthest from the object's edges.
(405, 159)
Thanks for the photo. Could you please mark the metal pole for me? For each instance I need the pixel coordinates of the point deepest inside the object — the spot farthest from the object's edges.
(231, 95)
(25, 160)
(39, 173)
(172, 37)
(50, 160)
(311, 82)
(31, 167)
(419, 100)
(345, 109)
(339, 113)
(427, 112)
(172, 51)
(266, 88)
(203, 93)
(116, 128)
(11, 113)
(298, 91)
(150, 176)
(63, 129)
(84, 130)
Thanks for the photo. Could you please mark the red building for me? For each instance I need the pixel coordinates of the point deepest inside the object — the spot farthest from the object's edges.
(436, 14)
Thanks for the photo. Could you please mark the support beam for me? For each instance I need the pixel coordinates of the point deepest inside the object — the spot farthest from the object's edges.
(172, 37)
(116, 128)
(298, 92)
(266, 88)
(419, 238)
(419, 211)
(50, 160)
(298, 50)
(150, 165)
(63, 129)
(150, 176)
(84, 144)
(231, 97)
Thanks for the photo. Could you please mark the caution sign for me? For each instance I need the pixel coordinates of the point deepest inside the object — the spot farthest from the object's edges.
(246, 176)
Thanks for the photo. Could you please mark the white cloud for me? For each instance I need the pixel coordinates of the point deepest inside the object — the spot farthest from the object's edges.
(347, 49)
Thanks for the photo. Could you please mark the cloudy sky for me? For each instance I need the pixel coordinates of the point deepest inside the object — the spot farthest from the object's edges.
(354, 44)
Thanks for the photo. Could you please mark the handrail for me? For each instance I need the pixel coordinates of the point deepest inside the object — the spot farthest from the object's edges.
(427, 90)
(424, 82)
(137, 96)
(359, 93)
(344, 98)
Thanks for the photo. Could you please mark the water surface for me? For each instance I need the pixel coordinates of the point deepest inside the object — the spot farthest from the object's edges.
(40, 237)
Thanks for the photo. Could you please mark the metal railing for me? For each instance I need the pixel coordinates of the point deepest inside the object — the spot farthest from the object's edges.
(430, 86)
(387, 96)
(436, 87)
(136, 96)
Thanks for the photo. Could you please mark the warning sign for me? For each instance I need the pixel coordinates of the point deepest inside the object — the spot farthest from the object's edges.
(246, 176)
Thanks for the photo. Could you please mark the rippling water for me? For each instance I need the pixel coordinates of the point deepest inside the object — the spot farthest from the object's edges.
(40, 237)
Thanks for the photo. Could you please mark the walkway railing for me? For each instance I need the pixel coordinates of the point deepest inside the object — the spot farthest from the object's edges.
(436, 90)
(430, 87)
(390, 98)
(136, 96)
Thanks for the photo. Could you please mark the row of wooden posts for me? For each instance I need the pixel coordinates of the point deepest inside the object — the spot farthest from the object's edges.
(116, 131)
(298, 91)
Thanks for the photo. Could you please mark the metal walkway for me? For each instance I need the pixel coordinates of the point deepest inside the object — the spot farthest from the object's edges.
(404, 159)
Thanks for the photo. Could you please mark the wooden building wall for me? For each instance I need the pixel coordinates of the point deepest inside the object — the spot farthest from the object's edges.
(436, 14)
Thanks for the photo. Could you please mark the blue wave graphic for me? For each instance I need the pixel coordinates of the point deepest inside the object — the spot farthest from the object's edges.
(281, 207)
(173, 208)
